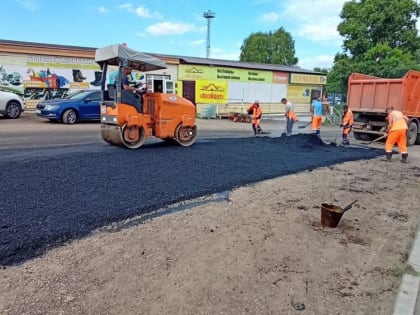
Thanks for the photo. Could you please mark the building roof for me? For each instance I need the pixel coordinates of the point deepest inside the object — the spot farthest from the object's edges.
(240, 64)
(183, 59)
(42, 45)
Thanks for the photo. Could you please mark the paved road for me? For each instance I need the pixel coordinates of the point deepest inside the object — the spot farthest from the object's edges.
(31, 136)
(61, 182)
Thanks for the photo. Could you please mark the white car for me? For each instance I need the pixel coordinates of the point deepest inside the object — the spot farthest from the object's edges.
(11, 105)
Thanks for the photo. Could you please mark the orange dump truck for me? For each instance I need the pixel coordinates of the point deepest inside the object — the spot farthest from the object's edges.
(368, 97)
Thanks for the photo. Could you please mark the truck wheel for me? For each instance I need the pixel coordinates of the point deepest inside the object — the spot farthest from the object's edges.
(13, 110)
(418, 139)
(357, 136)
(132, 137)
(185, 136)
(69, 117)
(412, 134)
(362, 136)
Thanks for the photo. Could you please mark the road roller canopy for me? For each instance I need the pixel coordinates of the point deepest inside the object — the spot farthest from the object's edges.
(119, 55)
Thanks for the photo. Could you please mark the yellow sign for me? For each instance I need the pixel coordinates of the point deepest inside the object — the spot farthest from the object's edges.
(190, 72)
(34, 84)
(308, 78)
(207, 91)
(79, 85)
(196, 72)
(31, 104)
(178, 88)
(299, 93)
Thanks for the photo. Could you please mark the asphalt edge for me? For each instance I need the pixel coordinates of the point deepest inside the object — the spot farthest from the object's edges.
(408, 297)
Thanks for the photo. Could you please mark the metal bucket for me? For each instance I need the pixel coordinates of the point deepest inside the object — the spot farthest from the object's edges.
(330, 215)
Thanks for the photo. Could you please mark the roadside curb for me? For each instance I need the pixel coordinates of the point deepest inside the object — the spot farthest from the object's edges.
(408, 297)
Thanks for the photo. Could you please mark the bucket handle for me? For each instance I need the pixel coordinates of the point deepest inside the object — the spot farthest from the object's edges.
(348, 207)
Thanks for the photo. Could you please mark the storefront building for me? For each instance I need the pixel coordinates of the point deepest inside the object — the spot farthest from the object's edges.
(233, 85)
(42, 71)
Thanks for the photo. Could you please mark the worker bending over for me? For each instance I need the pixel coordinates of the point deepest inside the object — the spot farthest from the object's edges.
(396, 133)
(256, 112)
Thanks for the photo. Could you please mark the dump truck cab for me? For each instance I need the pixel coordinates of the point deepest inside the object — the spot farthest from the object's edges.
(129, 119)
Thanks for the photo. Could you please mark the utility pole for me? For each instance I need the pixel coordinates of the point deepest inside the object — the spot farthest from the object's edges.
(209, 15)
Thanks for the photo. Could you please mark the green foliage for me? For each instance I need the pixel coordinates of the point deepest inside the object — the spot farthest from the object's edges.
(367, 23)
(337, 77)
(384, 61)
(380, 39)
(322, 70)
(272, 48)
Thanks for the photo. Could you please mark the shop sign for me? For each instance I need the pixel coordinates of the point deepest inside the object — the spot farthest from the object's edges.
(299, 93)
(280, 77)
(61, 62)
(307, 78)
(195, 72)
(209, 91)
(79, 85)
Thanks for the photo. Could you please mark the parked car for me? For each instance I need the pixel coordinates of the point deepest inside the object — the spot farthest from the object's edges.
(78, 106)
(11, 105)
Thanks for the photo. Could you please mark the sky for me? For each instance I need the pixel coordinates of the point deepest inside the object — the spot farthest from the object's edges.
(177, 27)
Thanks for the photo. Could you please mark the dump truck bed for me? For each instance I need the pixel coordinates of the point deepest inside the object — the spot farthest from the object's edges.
(372, 94)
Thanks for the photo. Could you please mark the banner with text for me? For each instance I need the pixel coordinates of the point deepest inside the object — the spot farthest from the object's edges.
(280, 77)
(207, 91)
(299, 93)
(300, 78)
(196, 72)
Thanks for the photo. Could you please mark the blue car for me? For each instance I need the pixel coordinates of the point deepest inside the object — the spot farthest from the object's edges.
(81, 105)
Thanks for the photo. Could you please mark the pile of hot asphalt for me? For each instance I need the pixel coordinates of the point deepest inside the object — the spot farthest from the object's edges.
(66, 196)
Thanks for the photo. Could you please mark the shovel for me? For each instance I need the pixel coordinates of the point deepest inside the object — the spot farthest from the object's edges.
(377, 139)
(285, 128)
(304, 126)
(348, 207)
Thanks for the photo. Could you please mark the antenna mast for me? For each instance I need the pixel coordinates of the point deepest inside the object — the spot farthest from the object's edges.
(209, 15)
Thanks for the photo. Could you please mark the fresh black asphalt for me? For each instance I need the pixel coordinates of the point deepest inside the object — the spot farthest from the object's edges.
(49, 200)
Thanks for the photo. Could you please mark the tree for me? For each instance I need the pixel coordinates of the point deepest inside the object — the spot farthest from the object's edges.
(322, 70)
(272, 48)
(337, 77)
(380, 39)
(367, 23)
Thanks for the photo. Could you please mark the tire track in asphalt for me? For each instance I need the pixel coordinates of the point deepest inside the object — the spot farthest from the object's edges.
(49, 200)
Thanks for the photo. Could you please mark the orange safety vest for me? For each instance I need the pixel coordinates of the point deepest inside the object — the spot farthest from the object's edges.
(348, 119)
(398, 121)
(291, 115)
(256, 111)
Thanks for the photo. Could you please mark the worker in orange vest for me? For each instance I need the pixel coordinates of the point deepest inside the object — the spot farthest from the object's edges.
(290, 115)
(346, 124)
(256, 112)
(396, 133)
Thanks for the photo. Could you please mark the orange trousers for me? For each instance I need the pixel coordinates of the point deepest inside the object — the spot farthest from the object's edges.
(398, 137)
(316, 124)
(346, 131)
